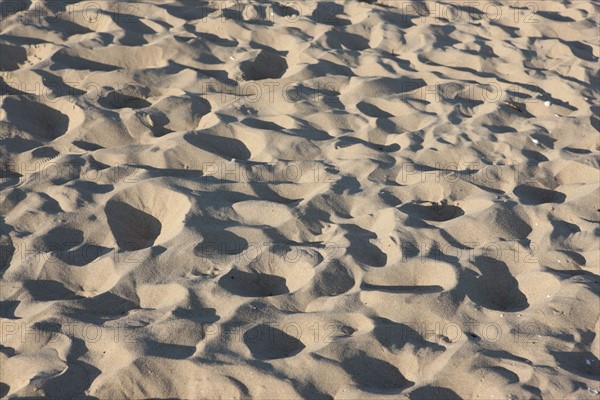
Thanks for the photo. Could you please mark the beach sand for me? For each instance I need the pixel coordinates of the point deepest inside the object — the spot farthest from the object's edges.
(329, 199)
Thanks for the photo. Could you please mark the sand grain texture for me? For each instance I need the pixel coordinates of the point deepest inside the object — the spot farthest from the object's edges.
(337, 199)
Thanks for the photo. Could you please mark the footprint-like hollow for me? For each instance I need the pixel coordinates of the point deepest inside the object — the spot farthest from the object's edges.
(7, 250)
(496, 288)
(333, 280)
(438, 212)
(58, 239)
(272, 270)
(145, 215)
(179, 113)
(255, 284)
(266, 65)
(133, 229)
(35, 118)
(433, 392)
(531, 195)
(128, 97)
(12, 57)
(373, 374)
(268, 343)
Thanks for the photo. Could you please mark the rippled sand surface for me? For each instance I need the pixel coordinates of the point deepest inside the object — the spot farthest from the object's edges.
(276, 200)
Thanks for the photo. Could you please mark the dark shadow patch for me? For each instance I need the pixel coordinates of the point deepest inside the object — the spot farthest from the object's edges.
(57, 86)
(545, 140)
(595, 122)
(374, 375)
(87, 146)
(438, 212)
(581, 50)
(577, 258)
(8, 308)
(505, 355)
(47, 290)
(12, 57)
(416, 141)
(62, 60)
(575, 150)
(114, 100)
(4, 389)
(389, 199)
(433, 393)
(168, 350)
(200, 315)
(221, 146)
(415, 289)
(177, 113)
(285, 11)
(66, 27)
(505, 217)
(268, 343)
(8, 90)
(8, 352)
(221, 246)
(266, 65)
(74, 382)
(346, 184)
(508, 375)
(333, 280)
(45, 152)
(59, 239)
(159, 122)
(35, 118)
(97, 309)
(132, 229)
(253, 284)
(88, 188)
(409, 249)
(371, 110)
(259, 124)
(498, 128)
(583, 364)
(533, 196)
(82, 255)
(554, 16)
(394, 336)
(189, 11)
(324, 68)
(329, 13)
(495, 288)
(7, 251)
(361, 249)
(534, 157)
(337, 39)
(13, 8)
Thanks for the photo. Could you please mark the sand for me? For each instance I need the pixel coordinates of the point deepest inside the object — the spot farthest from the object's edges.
(345, 199)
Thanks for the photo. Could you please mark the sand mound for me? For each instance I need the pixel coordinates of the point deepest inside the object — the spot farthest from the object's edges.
(145, 215)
